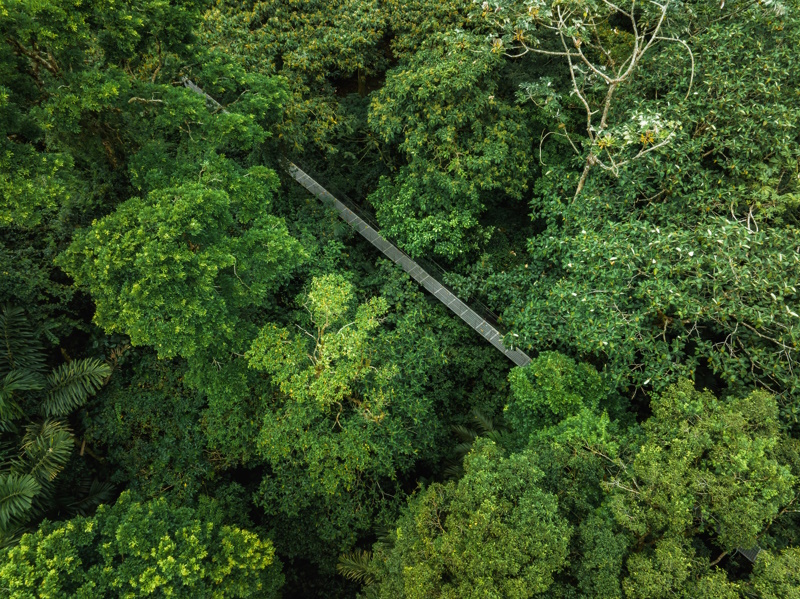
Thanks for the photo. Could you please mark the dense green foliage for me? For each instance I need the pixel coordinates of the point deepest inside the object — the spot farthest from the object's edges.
(481, 149)
(680, 261)
(142, 549)
(174, 256)
(495, 533)
(650, 509)
(210, 386)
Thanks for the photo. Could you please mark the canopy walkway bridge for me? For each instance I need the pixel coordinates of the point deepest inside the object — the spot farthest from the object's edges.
(350, 214)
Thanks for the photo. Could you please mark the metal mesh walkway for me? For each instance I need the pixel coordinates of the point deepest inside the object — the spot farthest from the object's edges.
(419, 274)
(415, 271)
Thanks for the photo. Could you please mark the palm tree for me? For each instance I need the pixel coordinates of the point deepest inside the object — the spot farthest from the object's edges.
(36, 439)
(483, 426)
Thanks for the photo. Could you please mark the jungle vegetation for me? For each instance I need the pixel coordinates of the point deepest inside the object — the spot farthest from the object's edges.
(210, 386)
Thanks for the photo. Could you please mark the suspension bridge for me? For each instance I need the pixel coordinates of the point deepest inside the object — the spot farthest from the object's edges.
(421, 275)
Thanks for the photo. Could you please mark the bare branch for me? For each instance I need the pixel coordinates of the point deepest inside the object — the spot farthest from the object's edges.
(575, 87)
(528, 48)
(145, 101)
(617, 8)
(593, 68)
(35, 56)
(641, 153)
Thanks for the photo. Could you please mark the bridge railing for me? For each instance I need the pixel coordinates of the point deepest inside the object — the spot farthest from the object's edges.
(430, 265)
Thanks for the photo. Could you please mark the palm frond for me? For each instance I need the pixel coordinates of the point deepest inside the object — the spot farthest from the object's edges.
(8, 451)
(453, 470)
(485, 424)
(11, 383)
(10, 537)
(500, 437)
(465, 434)
(45, 329)
(357, 566)
(70, 385)
(46, 448)
(462, 449)
(385, 536)
(22, 380)
(90, 496)
(16, 496)
(20, 346)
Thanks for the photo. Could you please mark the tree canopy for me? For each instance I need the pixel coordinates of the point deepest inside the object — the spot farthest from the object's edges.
(133, 550)
(212, 386)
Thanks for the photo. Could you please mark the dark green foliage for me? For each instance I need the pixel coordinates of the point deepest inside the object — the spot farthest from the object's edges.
(551, 389)
(777, 575)
(357, 566)
(173, 254)
(149, 425)
(68, 70)
(340, 422)
(672, 499)
(232, 418)
(679, 263)
(707, 467)
(21, 347)
(603, 550)
(200, 248)
(481, 426)
(413, 22)
(14, 382)
(88, 494)
(674, 496)
(36, 452)
(460, 142)
(45, 450)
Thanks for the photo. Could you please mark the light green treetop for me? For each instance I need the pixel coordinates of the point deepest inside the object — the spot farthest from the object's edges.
(176, 269)
(493, 534)
(136, 549)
